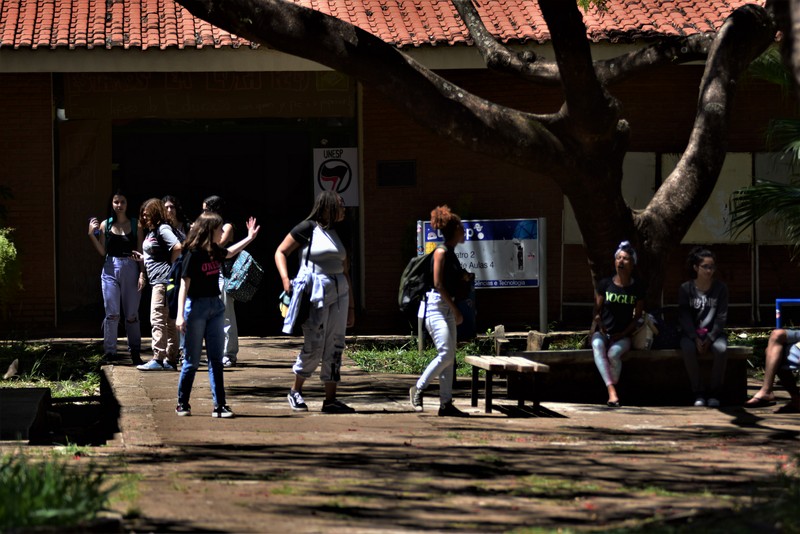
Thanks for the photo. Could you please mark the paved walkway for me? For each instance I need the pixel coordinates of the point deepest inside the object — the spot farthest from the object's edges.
(388, 469)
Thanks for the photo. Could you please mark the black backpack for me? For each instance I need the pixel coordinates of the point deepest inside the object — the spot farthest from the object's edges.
(416, 280)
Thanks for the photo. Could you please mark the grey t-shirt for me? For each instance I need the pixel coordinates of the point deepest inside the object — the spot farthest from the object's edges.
(697, 309)
(157, 249)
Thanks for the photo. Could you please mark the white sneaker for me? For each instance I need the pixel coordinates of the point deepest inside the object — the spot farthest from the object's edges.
(713, 403)
(152, 365)
(700, 401)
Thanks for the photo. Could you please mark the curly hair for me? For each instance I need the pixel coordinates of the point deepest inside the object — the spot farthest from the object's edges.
(156, 214)
(201, 236)
(446, 221)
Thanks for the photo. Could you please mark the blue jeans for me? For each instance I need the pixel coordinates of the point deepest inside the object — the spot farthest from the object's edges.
(120, 281)
(440, 321)
(204, 319)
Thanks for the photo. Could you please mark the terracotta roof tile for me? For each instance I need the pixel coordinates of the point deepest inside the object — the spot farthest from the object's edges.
(164, 24)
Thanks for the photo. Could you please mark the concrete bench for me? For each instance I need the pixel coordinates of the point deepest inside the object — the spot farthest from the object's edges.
(519, 371)
(649, 377)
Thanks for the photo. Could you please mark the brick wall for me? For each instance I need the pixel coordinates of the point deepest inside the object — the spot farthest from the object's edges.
(473, 185)
(660, 108)
(26, 167)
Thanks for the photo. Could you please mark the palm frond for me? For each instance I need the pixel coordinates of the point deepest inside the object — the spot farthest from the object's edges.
(770, 68)
(766, 199)
(785, 133)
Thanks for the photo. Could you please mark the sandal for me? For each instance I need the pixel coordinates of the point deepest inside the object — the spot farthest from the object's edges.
(788, 408)
(758, 402)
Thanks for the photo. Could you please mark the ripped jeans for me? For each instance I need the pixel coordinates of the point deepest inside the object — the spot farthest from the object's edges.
(324, 331)
(119, 281)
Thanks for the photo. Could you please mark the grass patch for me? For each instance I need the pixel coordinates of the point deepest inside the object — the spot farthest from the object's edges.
(393, 358)
(49, 492)
(560, 488)
(69, 370)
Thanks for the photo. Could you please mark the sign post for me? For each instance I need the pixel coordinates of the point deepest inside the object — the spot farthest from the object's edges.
(336, 169)
(503, 253)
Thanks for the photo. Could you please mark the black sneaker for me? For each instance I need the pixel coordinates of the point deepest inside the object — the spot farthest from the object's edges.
(336, 406)
(223, 412)
(136, 358)
(449, 410)
(296, 401)
(415, 395)
(183, 409)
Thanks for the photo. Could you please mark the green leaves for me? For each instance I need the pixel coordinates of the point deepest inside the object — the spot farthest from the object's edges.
(49, 492)
(771, 201)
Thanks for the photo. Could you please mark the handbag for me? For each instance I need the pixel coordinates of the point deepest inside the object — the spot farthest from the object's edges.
(242, 276)
(642, 337)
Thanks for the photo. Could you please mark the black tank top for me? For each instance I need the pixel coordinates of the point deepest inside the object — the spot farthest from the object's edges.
(120, 246)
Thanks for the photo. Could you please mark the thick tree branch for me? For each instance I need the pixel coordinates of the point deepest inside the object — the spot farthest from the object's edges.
(588, 104)
(667, 51)
(744, 36)
(529, 66)
(445, 108)
(526, 65)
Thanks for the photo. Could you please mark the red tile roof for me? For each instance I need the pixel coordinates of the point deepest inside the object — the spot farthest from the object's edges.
(142, 24)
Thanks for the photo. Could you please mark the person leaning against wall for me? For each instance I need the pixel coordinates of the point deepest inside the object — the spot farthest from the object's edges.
(118, 239)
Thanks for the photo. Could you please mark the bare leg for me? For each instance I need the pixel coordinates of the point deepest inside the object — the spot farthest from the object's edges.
(786, 378)
(330, 390)
(612, 393)
(774, 359)
(298, 383)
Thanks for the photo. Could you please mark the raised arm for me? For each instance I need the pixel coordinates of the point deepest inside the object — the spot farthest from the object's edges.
(99, 240)
(252, 232)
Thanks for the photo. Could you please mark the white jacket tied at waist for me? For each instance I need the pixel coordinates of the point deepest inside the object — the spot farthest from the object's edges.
(305, 278)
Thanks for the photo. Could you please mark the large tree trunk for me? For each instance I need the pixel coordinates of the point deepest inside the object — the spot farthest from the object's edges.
(581, 147)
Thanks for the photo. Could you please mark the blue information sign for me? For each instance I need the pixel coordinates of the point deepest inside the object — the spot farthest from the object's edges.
(502, 253)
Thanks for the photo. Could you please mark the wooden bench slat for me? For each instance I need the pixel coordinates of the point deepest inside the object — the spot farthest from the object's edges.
(516, 364)
(537, 367)
(485, 362)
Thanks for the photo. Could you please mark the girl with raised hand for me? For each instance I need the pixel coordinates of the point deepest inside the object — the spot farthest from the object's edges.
(200, 310)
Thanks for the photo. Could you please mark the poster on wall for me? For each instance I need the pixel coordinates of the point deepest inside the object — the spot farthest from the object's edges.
(502, 253)
(336, 169)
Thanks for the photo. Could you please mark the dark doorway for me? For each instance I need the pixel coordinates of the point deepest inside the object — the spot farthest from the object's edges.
(261, 168)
